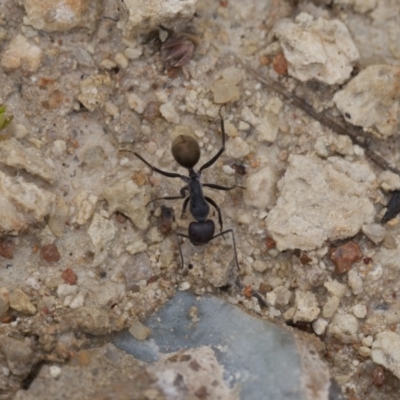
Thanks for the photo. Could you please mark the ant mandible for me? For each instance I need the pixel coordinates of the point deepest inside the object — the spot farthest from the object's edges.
(186, 152)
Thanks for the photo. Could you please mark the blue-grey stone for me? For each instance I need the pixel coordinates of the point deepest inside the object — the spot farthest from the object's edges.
(260, 358)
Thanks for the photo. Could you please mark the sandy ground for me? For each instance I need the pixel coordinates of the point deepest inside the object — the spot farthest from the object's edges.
(82, 254)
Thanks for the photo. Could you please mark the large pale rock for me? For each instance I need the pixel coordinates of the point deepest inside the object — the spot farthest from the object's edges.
(317, 49)
(101, 231)
(371, 100)
(386, 351)
(14, 154)
(61, 15)
(320, 200)
(260, 188)
(142, 16)
(94, 91)
(21, 53)
(22, 204)
(129, 199)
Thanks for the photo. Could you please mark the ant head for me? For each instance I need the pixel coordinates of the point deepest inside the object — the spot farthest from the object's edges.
(201, 232)
(186, 151)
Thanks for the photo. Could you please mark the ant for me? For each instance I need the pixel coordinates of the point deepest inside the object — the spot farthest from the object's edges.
(186, 152)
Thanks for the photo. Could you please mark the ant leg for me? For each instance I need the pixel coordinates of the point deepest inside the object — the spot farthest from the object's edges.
(160, 171)
(182, 196)
(219, 187)
(215, 205)
(220, 151)
(185, 203)
(234, 243)
(178, 235)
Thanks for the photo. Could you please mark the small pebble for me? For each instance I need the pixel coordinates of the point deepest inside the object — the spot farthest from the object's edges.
(184, 286)
(360, 311)
(69, 276)
(237, 148)
(364, 351)
(55, 371)
(345, 256)
(19, 301)
(374, 232)
(121, 60)
(4, 301)
(225, 91)
(280, 64)
(50, 253)
(7, 247)
(139, 331)
(319, 326)
(168, 111)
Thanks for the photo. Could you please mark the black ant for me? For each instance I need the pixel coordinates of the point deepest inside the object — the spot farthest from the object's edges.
(186, 152)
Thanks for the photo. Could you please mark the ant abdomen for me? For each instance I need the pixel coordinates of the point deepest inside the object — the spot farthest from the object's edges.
(186, 151)
(201, 232)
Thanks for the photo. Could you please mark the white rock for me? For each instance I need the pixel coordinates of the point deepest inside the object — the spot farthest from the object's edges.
(260, 266)
(15, 155)
(317, 49)
(386, 351)
(355, 281)
(364, 6)
(329, 144)
(335, 288)
(139, 331)
(320, 200)
(330, 306)
(127, 198)
(184, 286)
(344, 327)
(61, 15)
(374, 232)
(237, 148)
(55, 371)
(85, 205)
(389, 181)
(283, 295)
(136, 103)
(121, 60)
(111, 109)
(136, 246)
(367, 341)
(133, 53)
(94, 91)
(371, 100)
(59, 148)
(228, 170)
(20, 301)
(225, 91)
(142, 16)
(168, 111)
(360, 311)
(306, 306)
(77, 301)
(20, 53)
(271, 298)
(261, 188)
(154, 235)
(319, 326)
(267, 129)
(22, 204)
(58, 217)
(364, 351)
(65, 290)
(232, 74)
(101, 232)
